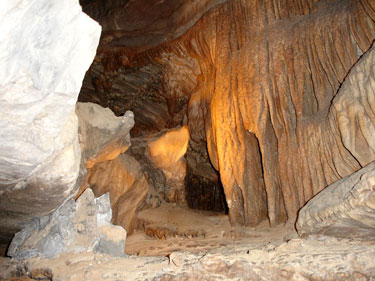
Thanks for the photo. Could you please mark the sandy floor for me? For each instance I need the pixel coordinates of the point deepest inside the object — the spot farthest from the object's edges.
(170, 228)
(180, 244)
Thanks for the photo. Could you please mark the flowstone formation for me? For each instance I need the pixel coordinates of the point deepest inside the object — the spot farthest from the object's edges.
(259, 83)
(349, 212)
(167, 152)
(346, 207)
(261, 108)
(45, 49)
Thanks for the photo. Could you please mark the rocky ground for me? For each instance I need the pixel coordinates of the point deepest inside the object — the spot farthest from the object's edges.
(198, 245)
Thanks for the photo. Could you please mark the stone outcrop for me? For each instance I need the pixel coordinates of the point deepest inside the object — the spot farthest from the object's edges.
(102, 135)
(104, 139)
(75, 227)
(348, 212)
(43, 59)
(343, 209)
(124, 179)
(260, 91)
(152, 170)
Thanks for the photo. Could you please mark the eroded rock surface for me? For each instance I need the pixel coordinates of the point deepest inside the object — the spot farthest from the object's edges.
(345, 208)
(124, 179)
(104, 139)
(144, 23)
(166, 152)
(75, 227)
(45, 49)
(151, 171)
(102, 135)
(260, 91)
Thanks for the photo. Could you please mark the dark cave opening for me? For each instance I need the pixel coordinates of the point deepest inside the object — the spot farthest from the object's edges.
(203, 187)
(205, 194)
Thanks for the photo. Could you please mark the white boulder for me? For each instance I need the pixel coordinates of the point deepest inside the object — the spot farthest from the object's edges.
(46, 46)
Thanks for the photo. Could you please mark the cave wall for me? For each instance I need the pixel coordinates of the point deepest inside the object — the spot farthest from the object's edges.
(45, 49)
(260, 82)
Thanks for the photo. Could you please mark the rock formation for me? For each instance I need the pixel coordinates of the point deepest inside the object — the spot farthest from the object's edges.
(256, 108)
(167, 152)
(138, 23)
(349, 212)
(124, 179)
(256, 81)
(75, 227)
(102, 136)
(151, 171)
(45, 49)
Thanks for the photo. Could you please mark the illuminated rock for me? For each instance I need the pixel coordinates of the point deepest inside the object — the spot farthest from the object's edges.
(345, 208)
(166, 152)
(125, 181)
(104, 138)
(260, 91)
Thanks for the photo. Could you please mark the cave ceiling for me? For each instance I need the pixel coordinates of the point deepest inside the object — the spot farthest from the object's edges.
(258, 82)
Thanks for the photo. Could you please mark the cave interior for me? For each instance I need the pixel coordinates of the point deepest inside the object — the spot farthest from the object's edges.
(213, 125)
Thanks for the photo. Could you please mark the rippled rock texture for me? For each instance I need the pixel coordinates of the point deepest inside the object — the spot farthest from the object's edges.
(349, 212)
(261, 83)
(45, 49)
(346, 208)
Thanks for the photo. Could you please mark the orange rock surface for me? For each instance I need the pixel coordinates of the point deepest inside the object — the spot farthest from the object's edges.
(257, 81)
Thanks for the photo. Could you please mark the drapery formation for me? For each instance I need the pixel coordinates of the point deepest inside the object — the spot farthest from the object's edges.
(262, 80)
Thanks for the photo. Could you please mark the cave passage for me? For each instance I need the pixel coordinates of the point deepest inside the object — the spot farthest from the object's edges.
(227, 139)
(203, 187)
(205, 194)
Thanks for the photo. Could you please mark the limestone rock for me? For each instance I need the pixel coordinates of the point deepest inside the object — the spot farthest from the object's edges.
(125, 181)
(82, 226)
(145, 20)
(103, 136)
(166, 152)
(345, 208)
(45, 49)
(264, 92)
(152, 170)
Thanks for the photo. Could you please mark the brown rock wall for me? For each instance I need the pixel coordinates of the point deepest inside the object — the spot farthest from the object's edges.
(126, 184)
(263, 97)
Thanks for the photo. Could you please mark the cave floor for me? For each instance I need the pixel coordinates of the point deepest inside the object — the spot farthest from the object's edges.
(171, 228)
(183, 244)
